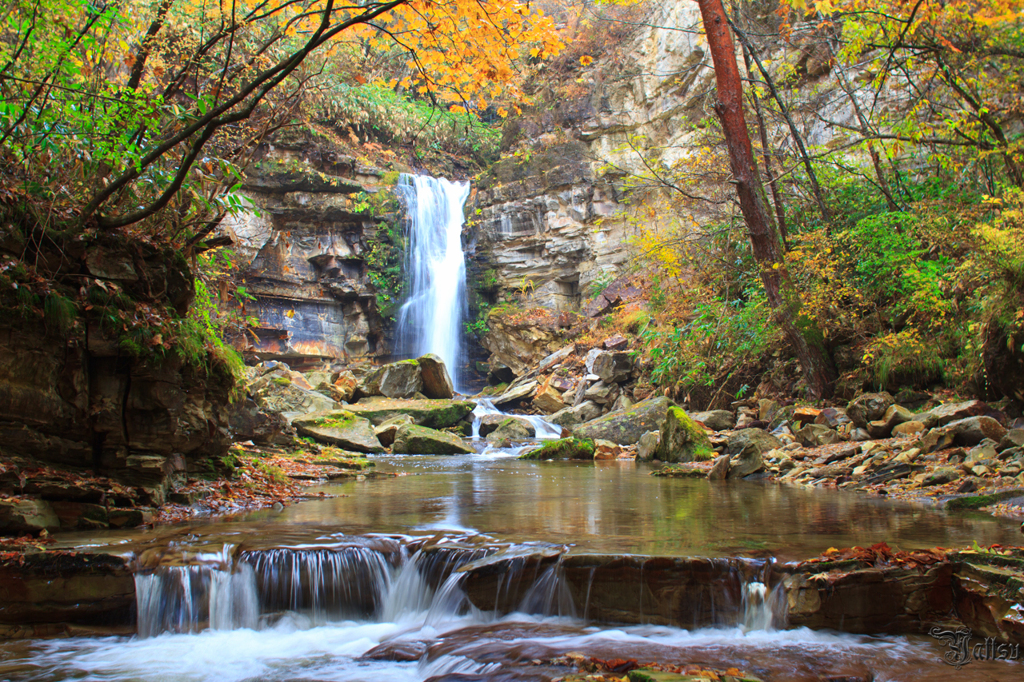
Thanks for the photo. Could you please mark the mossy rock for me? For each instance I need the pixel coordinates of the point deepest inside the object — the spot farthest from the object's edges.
(342, 428)
(434, 414)
(682, 439)
(680, 471)
(625, 427)
(419, 440)
(563, 448)
(979, 501)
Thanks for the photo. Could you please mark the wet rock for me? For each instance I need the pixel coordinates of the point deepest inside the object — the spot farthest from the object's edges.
(420, 440)
(869, 407)
(910, 428)
(510, 430)
(387, 431)
(613, 367)
(342, 428)
(720, 469)
(437, 382)
(682, 439)
(647, 448)
(548, 398)
(602, 393)
(435, 414)
(716, 420)
(973, 430)
(605, 450)
(25, 515)
(563, 448)
(399, 650)
(941, 476)
(813, 435)
(626, 426)
(944, 414)
(515, 393)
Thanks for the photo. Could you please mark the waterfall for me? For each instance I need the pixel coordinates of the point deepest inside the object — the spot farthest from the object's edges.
(430, 321)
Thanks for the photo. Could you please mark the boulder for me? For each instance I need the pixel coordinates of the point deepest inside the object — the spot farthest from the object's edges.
(556, 357)
(910, 428)
(420, 440)
(682, 439)
(572, 417)
(1014, 438)
(591, 357)
(617, 342)
(832, 417)
(435, 414)
(749, 461)
(602, 393)
(647, 448)
(767, 408)
(342, 428)
(813, 435)
(605, 450)
(437, 382)
(401, 379)
(387, 431)
(21, 516)
(944, 414)
(973, 430)
(869, 407)
(289, 394)
(936, 439)
(548, 399)
(720, 469)
(895, 415)
(509, 430)
(716, 420)
(516, 393)
(564, 448)
(941, 475)
(805, 414)
(752, 440)
(613, 367)
(626, 426)
(343, 388)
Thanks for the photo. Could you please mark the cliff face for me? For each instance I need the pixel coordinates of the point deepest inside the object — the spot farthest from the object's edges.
(303, 252)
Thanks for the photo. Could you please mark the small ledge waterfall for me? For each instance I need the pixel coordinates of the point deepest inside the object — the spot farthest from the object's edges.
(430, 321)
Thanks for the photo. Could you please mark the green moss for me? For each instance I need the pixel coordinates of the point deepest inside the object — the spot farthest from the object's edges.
(680, 433)
(281, 381)
(979, 501)
(564, 448)
(336, 420)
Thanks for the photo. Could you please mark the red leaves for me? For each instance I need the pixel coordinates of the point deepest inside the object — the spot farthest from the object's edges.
(881, 555)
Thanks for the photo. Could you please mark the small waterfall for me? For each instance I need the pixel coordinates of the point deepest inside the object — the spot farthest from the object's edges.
(763, 609)
(545, 430)
(430, 321)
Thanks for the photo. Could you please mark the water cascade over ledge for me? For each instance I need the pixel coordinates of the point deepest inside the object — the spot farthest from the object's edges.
(430, 321)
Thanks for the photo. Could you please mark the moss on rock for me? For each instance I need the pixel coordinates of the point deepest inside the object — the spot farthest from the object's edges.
(563, 448)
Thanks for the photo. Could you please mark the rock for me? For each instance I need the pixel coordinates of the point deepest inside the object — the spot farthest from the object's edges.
(832, 417)
(944, 414)
(401, 379)
(81, 515)
(626, 426)
(387, 431)
(941, 475)
(602, 393)
(647, 448)
(343, 388)
(342, 428)
(750, 461)
(859, 435)
(25, 515)
(420, 440)
(499, 373)
(556, 357)
(516, 393)
(617, 342)
(605, 450)
(510, 430)
(813, 435)
(682, 439)
(437, 382)
(564, 448)
(289, 394)
(720, 469)
(882, 428)
(613, 367)
(868, 407)
(756, 440)
(767, 408)
(1014, 438)
(622, 403)
(910, 428)
(716, 420)
(592, 355)
(548, 399)
(572, 417)
(805, 414)
(435, 414)
(973, 430)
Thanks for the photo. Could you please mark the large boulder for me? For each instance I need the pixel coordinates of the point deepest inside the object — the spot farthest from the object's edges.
(647, 448)
(682, 439)
(437, 382)
(973, 430)
(401, 379)
(288, 393)
(387, 431)
(564, 448)
(613, 367)
(25, 515)
(548, 398)
(419, 440)
(944, 414)
(435, 414)
(868, 407)
(752, 440)
(625, 427)
(342, 428)
(510, 430)
(813, 435)
(602, 393)
(894, 416)
(572, 417)
(515, 393)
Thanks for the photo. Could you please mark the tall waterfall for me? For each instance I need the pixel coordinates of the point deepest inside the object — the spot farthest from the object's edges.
(430, 321)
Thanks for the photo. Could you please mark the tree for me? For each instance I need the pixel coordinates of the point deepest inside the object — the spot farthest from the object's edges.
(764, 239)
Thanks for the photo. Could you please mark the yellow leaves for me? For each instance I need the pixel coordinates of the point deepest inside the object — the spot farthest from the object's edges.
(290, 313)
(502, 112)
(586, 60)
(457, 109)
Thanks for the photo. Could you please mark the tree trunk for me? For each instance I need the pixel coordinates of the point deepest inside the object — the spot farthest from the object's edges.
(764, 240)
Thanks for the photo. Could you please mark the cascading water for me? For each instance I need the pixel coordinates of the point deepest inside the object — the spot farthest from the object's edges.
(430, 321)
